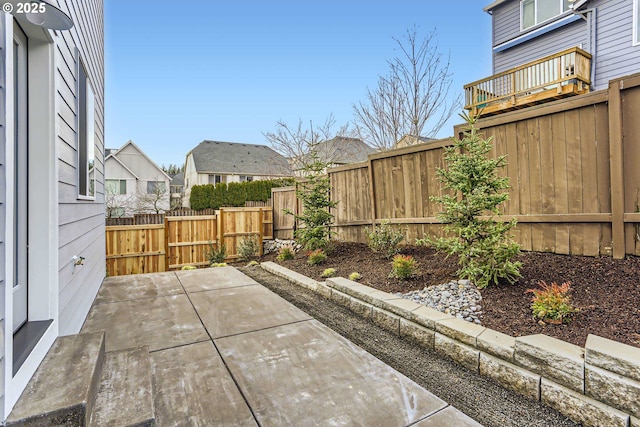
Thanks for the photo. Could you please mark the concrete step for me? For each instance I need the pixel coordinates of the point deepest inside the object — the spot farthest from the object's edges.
(63, 388)
(125, 395)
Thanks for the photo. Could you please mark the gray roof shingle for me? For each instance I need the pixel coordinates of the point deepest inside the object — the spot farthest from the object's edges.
(239, 159)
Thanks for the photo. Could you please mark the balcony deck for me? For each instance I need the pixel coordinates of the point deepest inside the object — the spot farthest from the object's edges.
(556, 76)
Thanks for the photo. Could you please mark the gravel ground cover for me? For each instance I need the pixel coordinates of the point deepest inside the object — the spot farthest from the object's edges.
(479, 397)
(606, 290)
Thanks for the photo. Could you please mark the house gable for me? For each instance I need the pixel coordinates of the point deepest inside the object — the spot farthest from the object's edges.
(139, 163)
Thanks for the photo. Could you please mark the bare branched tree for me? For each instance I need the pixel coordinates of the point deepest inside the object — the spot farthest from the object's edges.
(297, 142)
(413, 99)
(153, 198)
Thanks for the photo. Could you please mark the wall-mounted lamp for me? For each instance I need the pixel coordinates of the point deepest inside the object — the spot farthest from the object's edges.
(39, 12)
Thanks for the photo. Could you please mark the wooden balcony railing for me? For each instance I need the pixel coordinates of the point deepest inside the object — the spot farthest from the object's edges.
(556, 76)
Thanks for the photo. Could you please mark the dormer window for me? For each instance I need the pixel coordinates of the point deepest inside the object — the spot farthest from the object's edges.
(534, 12)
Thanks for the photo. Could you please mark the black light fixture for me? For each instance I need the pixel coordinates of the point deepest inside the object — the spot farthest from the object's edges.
(40, 13)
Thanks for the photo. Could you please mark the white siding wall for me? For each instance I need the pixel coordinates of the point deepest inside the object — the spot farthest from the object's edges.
(615, 55)
(3, 198)
(81, 230)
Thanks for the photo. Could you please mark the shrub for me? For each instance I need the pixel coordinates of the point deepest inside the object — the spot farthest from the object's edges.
(329, 272)
(552, 302)
(219, 264)
(234, 193)
(355, 276)
(474, 190)
(216, 253)
(317, 257)
(285, 253)
(385, 239)
(404, 266)
(253, 263)
(248, 248)
(316, 215)
(189, 267)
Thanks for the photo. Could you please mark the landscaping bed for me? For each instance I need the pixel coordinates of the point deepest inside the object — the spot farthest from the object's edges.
(606, 290)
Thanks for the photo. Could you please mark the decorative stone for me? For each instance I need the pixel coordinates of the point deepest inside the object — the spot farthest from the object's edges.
(613, 389)
(552, 358)
(613, 356)
(427, 317)
(361, 308)
(497, 344)
(460, 330)
(416, 333)
(386, 320)
(461, 353)
(340, 298)
(581, 408)
(510, 376)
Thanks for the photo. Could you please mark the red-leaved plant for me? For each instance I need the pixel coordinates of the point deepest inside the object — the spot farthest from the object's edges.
(552, 302)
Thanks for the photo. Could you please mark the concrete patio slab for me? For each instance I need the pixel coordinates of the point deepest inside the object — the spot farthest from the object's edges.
(305, 374)
(193, 388)
(206, 279)
(138, 286)
(244, 309)
(158, 323)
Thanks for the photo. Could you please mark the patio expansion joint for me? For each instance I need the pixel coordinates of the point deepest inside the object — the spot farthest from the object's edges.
(219, 289)
(235, 381)
(429, 415)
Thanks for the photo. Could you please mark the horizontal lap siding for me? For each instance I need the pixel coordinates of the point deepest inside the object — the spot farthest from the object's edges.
(616, 55)
(81, 230)
(555, 41)
(506, 22)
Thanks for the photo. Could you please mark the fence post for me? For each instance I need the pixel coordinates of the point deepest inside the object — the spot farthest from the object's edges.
(220, 228)
(372, 194)
(261, 219)
(166, 244)
(616, 156)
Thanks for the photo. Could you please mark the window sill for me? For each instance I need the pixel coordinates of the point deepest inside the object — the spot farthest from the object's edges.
(536, 32)
(86, 198)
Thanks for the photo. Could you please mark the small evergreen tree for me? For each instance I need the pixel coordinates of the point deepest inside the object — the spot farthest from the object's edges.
(485, 250)
(313, 191)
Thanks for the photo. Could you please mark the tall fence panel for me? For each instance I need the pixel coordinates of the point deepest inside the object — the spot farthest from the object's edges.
(133, 249)
(188, 239)
(283, 224)
(183, 240)
(572, 165)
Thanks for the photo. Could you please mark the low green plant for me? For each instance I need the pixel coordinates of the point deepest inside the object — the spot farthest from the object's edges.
(355, 276)
(219, 264)
(253, 263)
(317, 257)
(328, 272)
(189, 267)
(552, 302)
(404, 267)
(285, 253)
(248, 248)
(384, 239)
(216, 253)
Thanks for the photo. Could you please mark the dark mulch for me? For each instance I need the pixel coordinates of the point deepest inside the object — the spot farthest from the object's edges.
(606, 290)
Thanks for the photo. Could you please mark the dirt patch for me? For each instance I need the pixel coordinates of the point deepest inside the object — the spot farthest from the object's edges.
(606, 290)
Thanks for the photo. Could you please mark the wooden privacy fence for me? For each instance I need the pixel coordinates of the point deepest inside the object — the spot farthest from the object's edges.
(574, 168)
(183, 240)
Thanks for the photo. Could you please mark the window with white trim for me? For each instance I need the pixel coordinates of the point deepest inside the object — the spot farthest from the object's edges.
(534, 12)
(636, 22)
(115, 186)
(246, 178)
(86, 134)
(156, 187)
(215, 179)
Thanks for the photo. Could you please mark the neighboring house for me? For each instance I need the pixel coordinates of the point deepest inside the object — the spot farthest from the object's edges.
(603, 36)
(527, 30)
(177, 190)
(134, 183)
(408, 140)
(213, 162)
(51, 137)
(337, 151)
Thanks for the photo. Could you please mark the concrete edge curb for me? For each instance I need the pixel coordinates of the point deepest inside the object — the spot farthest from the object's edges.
(524, 365)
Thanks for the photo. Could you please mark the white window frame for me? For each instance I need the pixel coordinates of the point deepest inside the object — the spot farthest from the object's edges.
(246, 178)
(217, 179)
(636, 22)
(535, 15)
(118, 184)
(86, 143)
(158, 187)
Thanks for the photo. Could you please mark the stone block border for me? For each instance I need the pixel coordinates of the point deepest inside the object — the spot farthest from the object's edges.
(596, 385)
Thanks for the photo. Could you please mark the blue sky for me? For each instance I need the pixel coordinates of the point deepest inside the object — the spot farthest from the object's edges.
(179, 72)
